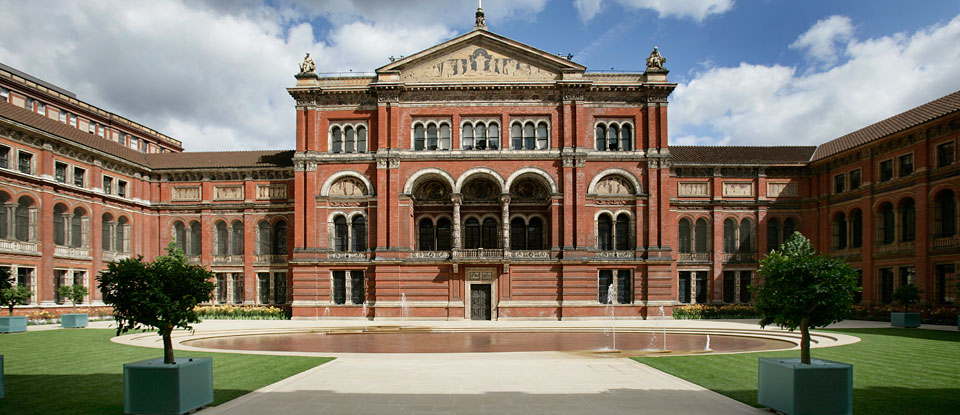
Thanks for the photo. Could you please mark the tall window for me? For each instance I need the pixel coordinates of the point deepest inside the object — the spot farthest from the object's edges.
(622, 231)
(238, 288)
(427, 235)
(945, 154)
(855, 179)
(613, 136)
(196, 238)
(223, 238)
(700, 236)
(122, 233)
(25, 220)
(60, 219)
(221, 288)
(685, 236)
(906, 164)
(729, 236)
(25, 162)
(263, 287)
(945, 214)
(604, 233)
(746, 236)
(621, 284)
(839, 231)
(180, 235)
(856, 228)
(77, 222)
(340, 233)
(471, 234)
(773, 234)
(336, 140)
(106, 230)
(490, 234)
(838, 182)
(358, 231)
(237, 245)
(263, 238)
(443, 234)
(746, 279)
(526, 234)
(518, 234)
(279, 238)
(885, 224)
(886, 170)
(280, 288)
(908, 220)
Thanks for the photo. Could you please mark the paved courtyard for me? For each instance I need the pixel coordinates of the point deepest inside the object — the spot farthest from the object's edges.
(475, 383)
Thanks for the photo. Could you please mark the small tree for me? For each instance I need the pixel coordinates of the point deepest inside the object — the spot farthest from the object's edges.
(160, 294)
(907, 295)
(798, 288)
(74, 293)
(12, 294)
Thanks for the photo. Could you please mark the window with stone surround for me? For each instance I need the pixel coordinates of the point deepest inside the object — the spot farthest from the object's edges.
(4, 157)
(25, 162)
(431, 135)
(434, 234)
(617, 282)
(348, 138)
(945, 154)
(886, 170)
(838, 182)
(60, 172)
(530, 135)
(944, 214)
(855, 179)
(346, 234)
(480, 135)
(905, 164)
(351, 282)
(613, 233)
(614, 136)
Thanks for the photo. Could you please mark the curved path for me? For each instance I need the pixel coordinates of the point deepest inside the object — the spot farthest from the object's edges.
(479, 383)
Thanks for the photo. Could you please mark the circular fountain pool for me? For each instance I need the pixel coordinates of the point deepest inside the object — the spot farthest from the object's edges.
(428, 341)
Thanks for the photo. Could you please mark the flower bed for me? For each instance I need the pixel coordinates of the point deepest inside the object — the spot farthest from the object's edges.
(707, 311)
(234, 312)
(928, 314)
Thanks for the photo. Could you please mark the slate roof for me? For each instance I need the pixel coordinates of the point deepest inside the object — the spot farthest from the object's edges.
(221, 159)
(712, 155)
(897, 123)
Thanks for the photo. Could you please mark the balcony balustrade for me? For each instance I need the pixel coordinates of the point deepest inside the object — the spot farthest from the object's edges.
(228, 259)
(477, 253)
(18, 247)
(72, 252)
(616, 254)
(442, 255)
(946, 242)
(529, 254)
(741, 257)
(694, 257)
(271, 259)
(881, 249)
(339, 255)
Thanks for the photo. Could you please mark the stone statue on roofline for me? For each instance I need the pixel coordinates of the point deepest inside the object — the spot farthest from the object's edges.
(655, 61)
(308, 65)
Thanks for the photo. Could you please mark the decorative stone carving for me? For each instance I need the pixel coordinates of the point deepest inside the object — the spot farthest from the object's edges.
(656, 60)
(271, 191)
(693, 189)
(529, 254)
(348, 187)
(613, 185)
(737, 189)
(347, 255)
(612, 202)
(783, 190)
(480, 190)
(615, 254)
(186, 194)
(345, 204)
(529, 189)
(480, 276)
(431, 255)
(307, 66)
(228, 193)
(432, 190)
(475, 63)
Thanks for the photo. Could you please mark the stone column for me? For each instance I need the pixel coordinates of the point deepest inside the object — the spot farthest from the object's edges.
(505, 220)
(457, 199)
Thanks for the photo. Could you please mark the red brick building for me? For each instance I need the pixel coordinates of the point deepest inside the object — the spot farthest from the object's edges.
(480, 178)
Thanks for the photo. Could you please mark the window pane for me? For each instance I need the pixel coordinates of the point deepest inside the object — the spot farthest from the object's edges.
(336, 140)
(490, 234)
(340, 233)
(339, 287)
(348, 140)
(700, 237)
(626, 138)
(746, 280)
(444, 137)
(604, 233)
(603, 286)
(529, 139)
(518, 234)
(535, 234)
(623, 232)
(426, 235)
(359, 230)
(443, 234)
(419, 135)
(480, 136)
(432, 137)
(601, 137)
(624, 287)
(263, 286)
(542, 136)
(613, 137)
(516, 135)
(472, 234)
(361, 140)
(280, 288)
(493, 136)
(466, 137)
(356, 287)
(684, 235)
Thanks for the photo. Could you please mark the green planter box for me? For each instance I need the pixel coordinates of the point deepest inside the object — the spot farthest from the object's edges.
(76, 321)
(822, 387)
(151, 387)
(908, 320)
(13, 324)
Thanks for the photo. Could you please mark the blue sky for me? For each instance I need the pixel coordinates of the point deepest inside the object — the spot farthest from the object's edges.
(212, 73)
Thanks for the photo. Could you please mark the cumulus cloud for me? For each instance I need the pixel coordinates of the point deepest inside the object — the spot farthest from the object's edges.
(213, 73)
(761, 105)
(821, 42)
(697, 10)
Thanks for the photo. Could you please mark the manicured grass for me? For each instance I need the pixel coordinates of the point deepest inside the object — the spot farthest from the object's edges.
(80, 371)
(895, 371)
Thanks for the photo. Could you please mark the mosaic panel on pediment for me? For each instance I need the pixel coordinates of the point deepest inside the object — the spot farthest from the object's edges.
(528, 190)
(481, 190)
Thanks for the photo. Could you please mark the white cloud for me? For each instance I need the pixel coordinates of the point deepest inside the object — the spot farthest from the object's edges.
(213, 74)
(821, 41)
(764, 105)
(697, 10)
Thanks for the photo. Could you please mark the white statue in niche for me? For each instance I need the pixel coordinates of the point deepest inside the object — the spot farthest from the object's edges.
(348, 187)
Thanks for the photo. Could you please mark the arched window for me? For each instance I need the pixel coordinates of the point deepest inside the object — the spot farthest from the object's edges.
(529, 139)
(472, 234)
(432, 136)
(361, 139)
(196, 238)
(542, 136)
(444, 137)
(700, 236)
(493, 136)
(24, 229)
(237, 245)
(180, 235)
(480, 136)
(773, 234)
(426, 235)
(349, 139)
(908, 220)
(122, 232)
(614, 137)
(77, 233)
(626, 138)
(535, 234)
(466, 136)
(106, 233)
(604, 233)
(623, 232)
(856, 225)
(419, 137)
(885, 223)
(685, 236)
(729, 236)
(358, 231)
(601, 137)
(336, 140)
(263, 237)
(839, 231)
(223, 238)
(60, 218)
(490, 236)
(516, 136)
(280, 237)
(4, 216)
(443, 234)
(340, 234)
(746, 236)
(518, 234)
(945, 214)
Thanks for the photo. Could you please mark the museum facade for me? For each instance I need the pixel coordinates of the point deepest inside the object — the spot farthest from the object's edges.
(478, 179)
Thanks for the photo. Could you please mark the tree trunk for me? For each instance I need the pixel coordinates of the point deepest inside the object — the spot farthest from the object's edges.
(167, 347)
(805, 341)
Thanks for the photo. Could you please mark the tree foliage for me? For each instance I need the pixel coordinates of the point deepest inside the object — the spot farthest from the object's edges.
(906, 295)
(74, 293)
(161, 294)
(12, 294)
(799, 288)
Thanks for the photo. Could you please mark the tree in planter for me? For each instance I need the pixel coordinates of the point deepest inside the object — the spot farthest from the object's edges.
(799, 288)
(74, 293)
(161, 294)
(907, 295)
(12, 294)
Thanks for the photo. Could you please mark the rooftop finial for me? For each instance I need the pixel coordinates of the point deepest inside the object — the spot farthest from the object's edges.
(481, 20)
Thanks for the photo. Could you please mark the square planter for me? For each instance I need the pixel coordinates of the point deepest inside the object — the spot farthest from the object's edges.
(822, 387)
(13, 324)
(72, 320)
(151, 387)
(908, 320)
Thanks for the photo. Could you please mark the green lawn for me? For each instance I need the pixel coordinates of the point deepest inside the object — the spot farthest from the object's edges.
(80, 371)
(895, 371)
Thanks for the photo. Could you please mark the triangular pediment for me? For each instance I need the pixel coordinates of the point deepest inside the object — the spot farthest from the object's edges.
(478, 56)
